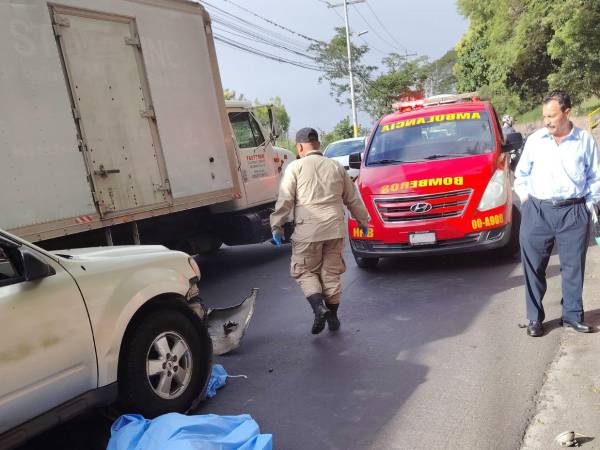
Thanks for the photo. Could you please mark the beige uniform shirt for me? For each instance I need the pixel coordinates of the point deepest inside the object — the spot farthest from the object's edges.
(315, 189)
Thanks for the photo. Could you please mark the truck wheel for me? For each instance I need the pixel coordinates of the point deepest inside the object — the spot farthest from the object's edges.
(164, 368)
(365, 263)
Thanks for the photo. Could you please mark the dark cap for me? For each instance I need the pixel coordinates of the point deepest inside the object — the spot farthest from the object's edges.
(307, 135)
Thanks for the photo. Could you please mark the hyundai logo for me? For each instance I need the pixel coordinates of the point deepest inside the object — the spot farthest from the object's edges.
(421, 207)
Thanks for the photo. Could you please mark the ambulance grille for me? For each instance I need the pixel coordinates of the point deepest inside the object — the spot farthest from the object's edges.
(423, 207)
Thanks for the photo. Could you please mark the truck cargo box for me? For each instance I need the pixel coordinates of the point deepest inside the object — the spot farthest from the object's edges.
(112, 111)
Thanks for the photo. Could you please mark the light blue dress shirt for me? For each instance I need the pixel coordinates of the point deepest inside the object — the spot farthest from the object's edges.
(550, 171)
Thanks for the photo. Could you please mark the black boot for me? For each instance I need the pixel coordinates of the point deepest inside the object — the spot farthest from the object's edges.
(332, 321)
(321, 312)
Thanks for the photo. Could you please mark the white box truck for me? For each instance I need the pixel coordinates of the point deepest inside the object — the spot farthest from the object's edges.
(113, 129)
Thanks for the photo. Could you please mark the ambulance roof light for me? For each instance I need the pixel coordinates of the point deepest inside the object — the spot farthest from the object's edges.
(445, 99)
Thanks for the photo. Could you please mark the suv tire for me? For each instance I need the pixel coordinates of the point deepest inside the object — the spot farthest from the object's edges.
(164, 368)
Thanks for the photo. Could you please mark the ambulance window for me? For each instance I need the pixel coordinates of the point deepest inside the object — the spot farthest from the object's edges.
(432, 136)
(240, 122)
(258, 136)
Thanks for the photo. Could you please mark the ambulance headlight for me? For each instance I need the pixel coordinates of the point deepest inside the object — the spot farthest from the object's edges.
(496, 192)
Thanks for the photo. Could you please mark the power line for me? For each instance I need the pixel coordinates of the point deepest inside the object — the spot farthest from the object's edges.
(264, 54)
(251, 24)
(262, 41)
(375, 29)
(360, 37)
(385, 28)
(273, 23)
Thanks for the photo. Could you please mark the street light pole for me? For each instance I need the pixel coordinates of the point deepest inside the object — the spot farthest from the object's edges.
(348, 44)
(352, 100)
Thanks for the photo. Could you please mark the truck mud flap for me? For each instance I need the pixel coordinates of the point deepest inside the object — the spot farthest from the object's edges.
(227, 326)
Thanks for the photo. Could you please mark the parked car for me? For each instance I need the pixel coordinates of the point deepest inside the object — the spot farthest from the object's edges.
(90, 327)
(341, 150)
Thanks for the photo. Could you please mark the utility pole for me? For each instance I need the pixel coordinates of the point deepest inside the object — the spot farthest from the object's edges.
(352, 100)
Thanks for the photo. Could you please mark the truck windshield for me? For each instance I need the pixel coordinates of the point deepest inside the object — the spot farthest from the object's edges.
(432, 137)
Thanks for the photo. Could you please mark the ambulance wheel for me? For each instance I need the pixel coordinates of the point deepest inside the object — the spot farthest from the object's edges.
(365, 263)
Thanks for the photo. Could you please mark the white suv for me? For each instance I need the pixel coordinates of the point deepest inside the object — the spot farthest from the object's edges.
(88, 327)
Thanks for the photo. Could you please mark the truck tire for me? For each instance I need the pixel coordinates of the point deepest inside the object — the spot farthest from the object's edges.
(365, 263)
(164, 368)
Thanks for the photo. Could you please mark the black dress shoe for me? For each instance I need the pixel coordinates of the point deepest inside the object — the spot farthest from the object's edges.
(535, 328)
(577, 326)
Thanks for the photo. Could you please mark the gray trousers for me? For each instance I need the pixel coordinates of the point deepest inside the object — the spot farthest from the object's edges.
(543, 225)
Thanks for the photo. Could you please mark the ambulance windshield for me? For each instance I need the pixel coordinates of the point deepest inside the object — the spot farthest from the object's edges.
(432, 137)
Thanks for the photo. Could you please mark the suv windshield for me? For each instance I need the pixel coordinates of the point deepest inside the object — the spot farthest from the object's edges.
(432, 137)
(344, 148)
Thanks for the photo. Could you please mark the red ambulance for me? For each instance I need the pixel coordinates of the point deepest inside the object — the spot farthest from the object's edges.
(436, 179)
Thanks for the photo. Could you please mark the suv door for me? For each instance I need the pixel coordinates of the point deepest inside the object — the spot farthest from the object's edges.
(47, 355)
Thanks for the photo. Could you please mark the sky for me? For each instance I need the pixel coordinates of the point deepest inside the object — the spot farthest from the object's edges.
(426, 27)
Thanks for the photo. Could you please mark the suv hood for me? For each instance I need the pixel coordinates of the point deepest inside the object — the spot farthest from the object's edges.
(427, 177)
(103, 253)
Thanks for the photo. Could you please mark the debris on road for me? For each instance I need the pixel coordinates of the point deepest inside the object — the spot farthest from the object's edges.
(218, 378)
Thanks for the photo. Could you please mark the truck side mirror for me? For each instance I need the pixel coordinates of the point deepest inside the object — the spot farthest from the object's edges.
(354, 160)
(33, 267)
(512, 141)
(273, 133)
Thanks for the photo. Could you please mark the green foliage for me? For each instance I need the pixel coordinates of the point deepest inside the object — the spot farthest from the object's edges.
(342, 130)
(515, 51)
(576, 47)
(332, 58)
(400, 78)
(280, 115)
(232, 95)
(441, 78)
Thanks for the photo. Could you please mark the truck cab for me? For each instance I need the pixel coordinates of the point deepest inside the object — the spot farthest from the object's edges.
(435, 178)
(258, 161)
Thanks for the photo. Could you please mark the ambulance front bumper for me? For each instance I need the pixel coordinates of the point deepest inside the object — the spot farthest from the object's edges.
(472, 242)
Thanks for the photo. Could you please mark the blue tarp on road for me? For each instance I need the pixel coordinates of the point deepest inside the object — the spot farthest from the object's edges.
(179, 432)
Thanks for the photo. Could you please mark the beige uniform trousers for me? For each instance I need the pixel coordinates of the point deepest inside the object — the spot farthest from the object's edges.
(317, 267)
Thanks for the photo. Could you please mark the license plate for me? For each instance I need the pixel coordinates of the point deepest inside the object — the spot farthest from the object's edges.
(421, 238)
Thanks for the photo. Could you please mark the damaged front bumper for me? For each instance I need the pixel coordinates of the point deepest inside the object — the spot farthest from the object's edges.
(226, 326)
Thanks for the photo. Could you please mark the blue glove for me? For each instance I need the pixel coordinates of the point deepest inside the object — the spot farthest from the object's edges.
(365, 231)
(277, 240)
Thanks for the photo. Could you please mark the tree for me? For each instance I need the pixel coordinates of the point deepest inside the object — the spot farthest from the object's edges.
(441, 78)
(342, 130)
(280, 115)
(400, 78)
(515, 50)
(575, 46)
(332, 58)
(232, 95)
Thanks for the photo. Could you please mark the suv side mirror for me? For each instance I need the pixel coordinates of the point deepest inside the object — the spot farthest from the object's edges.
(33, 267)
(354, 161)
(512, 141)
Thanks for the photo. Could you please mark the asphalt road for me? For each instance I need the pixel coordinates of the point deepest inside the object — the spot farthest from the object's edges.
(430, 355)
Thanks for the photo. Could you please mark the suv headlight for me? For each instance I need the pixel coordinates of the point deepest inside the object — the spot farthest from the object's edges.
(496, 193)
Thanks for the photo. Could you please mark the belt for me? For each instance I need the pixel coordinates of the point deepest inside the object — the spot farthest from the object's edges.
(565, 202)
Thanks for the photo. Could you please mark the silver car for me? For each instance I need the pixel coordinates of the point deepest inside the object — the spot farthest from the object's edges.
(341, 150)
(88, 327)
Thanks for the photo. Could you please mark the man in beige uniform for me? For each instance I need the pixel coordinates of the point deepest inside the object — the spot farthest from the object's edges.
(315, 189)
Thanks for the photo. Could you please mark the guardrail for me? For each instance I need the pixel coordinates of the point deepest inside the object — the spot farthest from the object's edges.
(594, 119)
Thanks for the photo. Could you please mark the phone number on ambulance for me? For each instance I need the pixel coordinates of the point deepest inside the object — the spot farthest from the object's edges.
(489, 221)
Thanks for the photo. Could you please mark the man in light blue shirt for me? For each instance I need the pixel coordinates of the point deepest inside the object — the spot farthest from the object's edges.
(558, 181)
